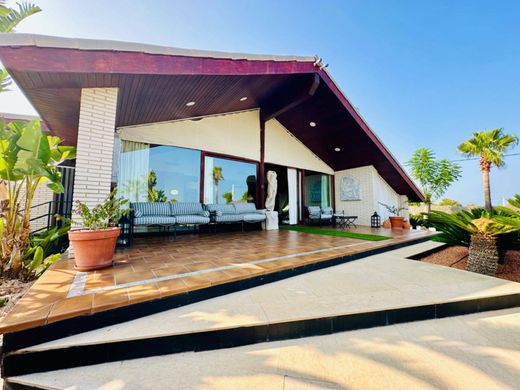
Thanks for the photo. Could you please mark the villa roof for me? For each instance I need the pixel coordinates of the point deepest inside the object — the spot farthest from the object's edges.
(156, 82)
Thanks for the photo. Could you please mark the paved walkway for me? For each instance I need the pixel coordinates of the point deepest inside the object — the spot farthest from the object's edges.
(479, 351)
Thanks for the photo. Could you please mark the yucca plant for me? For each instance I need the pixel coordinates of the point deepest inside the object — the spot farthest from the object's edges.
(480, 230)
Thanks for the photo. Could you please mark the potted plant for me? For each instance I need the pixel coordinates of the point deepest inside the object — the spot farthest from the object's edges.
(396, 221)
(95, 242)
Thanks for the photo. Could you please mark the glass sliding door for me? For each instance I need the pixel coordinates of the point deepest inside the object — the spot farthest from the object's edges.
(229, 181)
(317, 189)
(158, 173)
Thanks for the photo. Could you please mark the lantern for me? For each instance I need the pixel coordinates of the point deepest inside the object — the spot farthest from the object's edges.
(125, 225)
(375, 220)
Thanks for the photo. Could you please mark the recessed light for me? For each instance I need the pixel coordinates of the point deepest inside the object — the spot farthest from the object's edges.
(337, 149)
(243, 99)
(189, 104)
(312, 124)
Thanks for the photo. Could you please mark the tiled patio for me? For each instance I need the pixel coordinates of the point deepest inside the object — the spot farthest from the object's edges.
(158, 267)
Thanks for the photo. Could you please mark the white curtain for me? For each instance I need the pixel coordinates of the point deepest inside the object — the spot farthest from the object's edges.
(134, 166)
(292, 184)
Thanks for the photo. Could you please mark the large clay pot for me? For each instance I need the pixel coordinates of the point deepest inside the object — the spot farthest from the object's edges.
(396, 222)
(93, 249)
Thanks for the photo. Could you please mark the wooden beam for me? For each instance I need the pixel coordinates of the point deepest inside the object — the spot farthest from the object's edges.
(273, 107)
(261, 169)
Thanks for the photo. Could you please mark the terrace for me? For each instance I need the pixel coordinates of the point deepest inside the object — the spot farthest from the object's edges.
(155, 268)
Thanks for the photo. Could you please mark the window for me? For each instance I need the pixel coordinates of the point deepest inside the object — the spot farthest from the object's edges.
(228, 181)
(157, 173)
(317, 189)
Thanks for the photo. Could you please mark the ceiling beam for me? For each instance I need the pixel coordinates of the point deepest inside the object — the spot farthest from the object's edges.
(286, 99)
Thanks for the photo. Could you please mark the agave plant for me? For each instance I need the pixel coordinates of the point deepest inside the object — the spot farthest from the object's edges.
(480, 230)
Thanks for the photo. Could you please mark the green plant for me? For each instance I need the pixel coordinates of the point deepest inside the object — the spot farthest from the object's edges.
(28, 158)
(515, 201)
(44, 250)
(155, 195)
(490, 146)
(480, 230)
(228, 197)
(394, 210)
(417, 220)
(449, 202)
(101, 216)
(434, 176)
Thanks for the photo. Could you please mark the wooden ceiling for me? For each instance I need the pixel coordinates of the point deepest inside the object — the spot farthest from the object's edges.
(155, 88)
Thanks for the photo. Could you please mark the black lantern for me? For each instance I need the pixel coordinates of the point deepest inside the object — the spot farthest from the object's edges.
(125, 226)
(375, 220)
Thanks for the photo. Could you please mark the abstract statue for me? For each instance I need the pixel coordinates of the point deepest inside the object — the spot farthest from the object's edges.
(272, 187)
(271, 222)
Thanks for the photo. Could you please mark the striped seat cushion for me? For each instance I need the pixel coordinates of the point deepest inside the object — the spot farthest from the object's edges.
(151, 208)
(314, 211)
(229, 218)
(191, 219)
(186, 208)
(254, 217)
(155, 220)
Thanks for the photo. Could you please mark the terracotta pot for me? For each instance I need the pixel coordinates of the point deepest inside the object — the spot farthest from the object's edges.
(93, 249)
(396, 222)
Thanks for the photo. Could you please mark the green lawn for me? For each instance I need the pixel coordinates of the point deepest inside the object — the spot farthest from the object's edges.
(337, 233)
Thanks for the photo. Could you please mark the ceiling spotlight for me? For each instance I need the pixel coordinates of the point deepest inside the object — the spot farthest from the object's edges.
(312, 124)
(243, 99)
(189, 104)
(337, 149)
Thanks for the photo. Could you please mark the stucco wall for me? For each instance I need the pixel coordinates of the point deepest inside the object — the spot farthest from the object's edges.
(373, 189)
(237, 134)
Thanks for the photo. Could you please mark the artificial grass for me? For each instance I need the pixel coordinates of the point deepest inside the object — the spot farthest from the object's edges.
(338, 233)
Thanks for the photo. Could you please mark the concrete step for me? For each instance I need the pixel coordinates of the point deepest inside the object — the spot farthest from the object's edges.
(378, 290)
(478, 351)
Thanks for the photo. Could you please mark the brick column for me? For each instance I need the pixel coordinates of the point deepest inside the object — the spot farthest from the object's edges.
(96, 128)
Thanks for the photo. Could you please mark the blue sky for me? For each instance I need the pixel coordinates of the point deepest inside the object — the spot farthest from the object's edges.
(422, 73)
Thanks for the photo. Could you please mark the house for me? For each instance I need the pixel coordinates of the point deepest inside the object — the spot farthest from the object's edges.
(157, 122)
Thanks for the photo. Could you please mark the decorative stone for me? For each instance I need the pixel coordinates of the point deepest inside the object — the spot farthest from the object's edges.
(406, 225)
(387, 224)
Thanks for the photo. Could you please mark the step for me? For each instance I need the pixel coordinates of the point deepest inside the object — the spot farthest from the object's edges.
(477, 351)
(378, 290)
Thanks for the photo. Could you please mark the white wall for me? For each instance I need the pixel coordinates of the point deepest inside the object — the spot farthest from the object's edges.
(282, 148)
(373, 189)
(237, 134)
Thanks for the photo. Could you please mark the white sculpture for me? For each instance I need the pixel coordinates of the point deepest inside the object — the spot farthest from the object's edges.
(271, 221)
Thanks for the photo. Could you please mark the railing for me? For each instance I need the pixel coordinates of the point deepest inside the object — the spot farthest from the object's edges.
(54, 208)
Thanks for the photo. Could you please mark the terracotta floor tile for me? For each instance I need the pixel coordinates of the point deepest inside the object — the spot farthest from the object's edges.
(109, 299)
(131, 276)
(99, 281)
(144, 292)
(171, 270)
(71, 307)
(172, 287)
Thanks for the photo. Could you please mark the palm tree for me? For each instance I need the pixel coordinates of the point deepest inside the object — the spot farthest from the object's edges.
(217, 177)
(9, 19)
(490, 146)
(484, 229)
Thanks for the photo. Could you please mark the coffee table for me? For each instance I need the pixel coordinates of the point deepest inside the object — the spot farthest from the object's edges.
(344, 221)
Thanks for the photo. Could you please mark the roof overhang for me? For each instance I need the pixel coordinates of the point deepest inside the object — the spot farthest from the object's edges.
(156, 82)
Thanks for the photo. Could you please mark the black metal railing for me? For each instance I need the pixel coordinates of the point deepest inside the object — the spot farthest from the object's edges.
(54, 209)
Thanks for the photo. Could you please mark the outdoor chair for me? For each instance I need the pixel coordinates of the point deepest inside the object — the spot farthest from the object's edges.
(320, 215)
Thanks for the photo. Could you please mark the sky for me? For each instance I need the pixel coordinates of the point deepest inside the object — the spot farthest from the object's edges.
(422, 73)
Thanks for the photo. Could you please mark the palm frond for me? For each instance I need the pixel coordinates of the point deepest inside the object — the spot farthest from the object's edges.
(9, 20)
(5, 80)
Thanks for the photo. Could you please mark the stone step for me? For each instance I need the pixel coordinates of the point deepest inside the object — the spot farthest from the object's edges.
(477, 351)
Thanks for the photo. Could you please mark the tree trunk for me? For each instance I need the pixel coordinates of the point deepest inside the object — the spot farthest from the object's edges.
(483, 255)
(485, 167)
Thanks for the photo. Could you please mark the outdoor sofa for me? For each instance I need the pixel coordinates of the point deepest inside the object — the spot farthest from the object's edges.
(320, 215)
(167, 214)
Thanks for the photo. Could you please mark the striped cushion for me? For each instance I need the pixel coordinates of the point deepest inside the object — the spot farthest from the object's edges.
(229, 218)
(244, 208)
(155, 220)
(314, 211)
(223, 208)
(191, 219)
(254, 217)
(151, 208)
(326, 211)
(186, 208)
